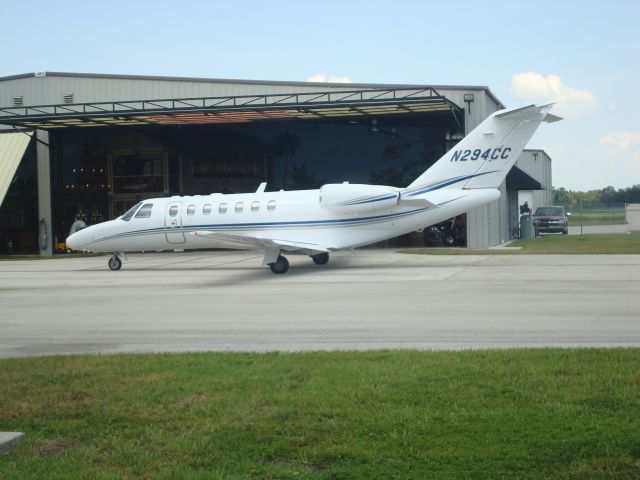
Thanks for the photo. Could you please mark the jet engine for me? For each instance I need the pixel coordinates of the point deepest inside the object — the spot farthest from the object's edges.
(347, 197)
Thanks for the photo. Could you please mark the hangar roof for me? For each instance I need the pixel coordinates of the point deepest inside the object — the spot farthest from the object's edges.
(231, 109)
(267, 83)
(520, 180)
(268, 100)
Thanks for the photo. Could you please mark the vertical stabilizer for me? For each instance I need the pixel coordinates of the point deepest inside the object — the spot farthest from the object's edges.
(483, 158)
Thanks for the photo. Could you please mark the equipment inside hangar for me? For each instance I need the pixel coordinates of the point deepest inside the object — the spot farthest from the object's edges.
(95, 158)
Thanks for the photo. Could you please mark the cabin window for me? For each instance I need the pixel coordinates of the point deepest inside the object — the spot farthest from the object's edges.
(206, 208)
(271, 205)
(255, 206)
(173, 211)
(223, 208)
(191, 209)
(127, 216)
(239, 207)
(145, 211)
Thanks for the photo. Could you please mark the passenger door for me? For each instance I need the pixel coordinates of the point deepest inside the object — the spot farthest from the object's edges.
(173, 223)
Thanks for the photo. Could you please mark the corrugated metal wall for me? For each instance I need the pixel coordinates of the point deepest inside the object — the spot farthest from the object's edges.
(486, 225)
(50, 89)
(537, 164)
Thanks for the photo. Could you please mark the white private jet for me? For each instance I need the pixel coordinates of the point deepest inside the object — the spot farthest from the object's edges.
(334, 217)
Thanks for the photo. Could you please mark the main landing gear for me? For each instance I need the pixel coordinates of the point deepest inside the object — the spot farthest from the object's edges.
(115, 263)
(281, 265)
(320, 258)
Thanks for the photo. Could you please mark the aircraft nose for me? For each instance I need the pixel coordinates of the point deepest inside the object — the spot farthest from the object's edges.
(79, 240)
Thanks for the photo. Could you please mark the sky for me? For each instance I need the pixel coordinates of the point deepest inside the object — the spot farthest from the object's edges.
(582, 55)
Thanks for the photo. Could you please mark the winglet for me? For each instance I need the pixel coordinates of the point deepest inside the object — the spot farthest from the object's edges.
(261, 188)
(551, 118)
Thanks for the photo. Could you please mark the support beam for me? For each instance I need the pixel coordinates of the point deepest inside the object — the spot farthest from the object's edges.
(45, 229)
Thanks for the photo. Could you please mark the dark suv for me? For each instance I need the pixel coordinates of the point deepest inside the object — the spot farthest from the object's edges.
(551, 220)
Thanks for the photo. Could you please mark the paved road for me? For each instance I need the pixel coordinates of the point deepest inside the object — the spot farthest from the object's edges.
(367, 300)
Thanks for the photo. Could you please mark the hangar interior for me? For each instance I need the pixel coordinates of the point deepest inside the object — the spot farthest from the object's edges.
(100, 149)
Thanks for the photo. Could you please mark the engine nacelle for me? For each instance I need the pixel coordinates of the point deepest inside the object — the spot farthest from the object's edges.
(347, 197)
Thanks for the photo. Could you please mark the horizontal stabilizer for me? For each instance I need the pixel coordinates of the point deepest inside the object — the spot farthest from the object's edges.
(522, 112)
(525, 112)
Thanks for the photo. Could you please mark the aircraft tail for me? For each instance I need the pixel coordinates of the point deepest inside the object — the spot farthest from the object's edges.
(483, 158)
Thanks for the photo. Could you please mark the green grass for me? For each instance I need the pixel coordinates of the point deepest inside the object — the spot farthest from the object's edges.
(597, 217)
(615, 243)
(547, 413)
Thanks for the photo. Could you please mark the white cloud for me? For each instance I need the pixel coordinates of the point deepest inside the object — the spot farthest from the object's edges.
(620, 140)
(619, 156)
(570, 101)
(324, 78)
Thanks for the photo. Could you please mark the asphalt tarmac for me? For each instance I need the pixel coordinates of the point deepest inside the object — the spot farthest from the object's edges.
(370, 299)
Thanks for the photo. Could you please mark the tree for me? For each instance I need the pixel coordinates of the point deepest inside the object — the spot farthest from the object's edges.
(302, 179)
(596, 198)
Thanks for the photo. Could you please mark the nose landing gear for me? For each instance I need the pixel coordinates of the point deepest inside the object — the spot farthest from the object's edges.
(115, 263)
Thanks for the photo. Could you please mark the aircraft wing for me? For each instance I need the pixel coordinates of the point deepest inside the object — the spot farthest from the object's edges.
(252, 242)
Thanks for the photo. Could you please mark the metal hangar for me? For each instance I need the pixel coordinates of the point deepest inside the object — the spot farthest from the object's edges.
(92, 145)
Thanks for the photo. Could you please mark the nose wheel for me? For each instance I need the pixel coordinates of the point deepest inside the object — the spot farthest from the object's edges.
(115, 263)
(281, 265)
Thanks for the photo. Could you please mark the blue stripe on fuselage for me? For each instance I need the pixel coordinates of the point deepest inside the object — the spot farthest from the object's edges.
(317, 223)
(271, 225)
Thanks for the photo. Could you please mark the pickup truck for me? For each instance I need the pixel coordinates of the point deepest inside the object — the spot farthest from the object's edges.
(552, 219)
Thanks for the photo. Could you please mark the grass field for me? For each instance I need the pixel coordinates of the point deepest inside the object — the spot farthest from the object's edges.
(615, 243)
(592, 244)
(596, 217)
(489, 414)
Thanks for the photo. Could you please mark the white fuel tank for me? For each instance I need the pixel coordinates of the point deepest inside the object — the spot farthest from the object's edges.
(348, 197)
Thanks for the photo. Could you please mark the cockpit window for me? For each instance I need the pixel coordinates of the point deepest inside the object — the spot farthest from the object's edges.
(145, 211)
(127, 216)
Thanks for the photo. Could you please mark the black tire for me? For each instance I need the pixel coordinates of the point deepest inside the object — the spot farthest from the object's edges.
(320, 258)
(448, 239)
(280, 266)
(565, 232)
(114, 263)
